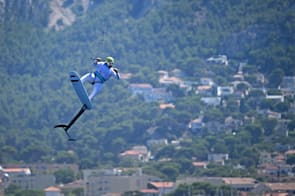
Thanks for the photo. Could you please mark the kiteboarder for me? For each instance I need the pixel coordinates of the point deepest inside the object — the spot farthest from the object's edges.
(104, 70)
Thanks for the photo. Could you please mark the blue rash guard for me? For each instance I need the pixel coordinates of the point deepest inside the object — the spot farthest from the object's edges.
(102, 73)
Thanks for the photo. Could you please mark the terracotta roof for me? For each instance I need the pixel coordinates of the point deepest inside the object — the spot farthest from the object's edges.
(73, 185)
(17, 170)
(112, 194)
(204, 87)
(131, 152)
(170, 80)
(52, 189)
(167, 105)
(281, 186)
(238, 180)
(163, 184)
(148, 191)
(125, 75)
(141, 85)
(197, 120)
(280, 157)
(200, 164)
(289, 152)
(268, 166)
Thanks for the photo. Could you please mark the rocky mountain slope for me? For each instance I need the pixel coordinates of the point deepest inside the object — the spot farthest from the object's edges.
(56, 14)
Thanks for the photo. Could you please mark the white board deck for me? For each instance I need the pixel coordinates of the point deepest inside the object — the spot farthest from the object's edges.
(79, 89)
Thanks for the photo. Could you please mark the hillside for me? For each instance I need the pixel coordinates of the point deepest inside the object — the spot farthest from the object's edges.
(144, 38)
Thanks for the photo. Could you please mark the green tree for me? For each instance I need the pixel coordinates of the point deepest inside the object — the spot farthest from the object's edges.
(291, 125)
(256, 132)
(281, 107)
(269, 126)
(205, 188)
(166, 151)
(144, 39)
(132, 193)
(275, 77)
(118, 144)
(213, 115)
(182, 189)
(291, 159)
(7, 154)
(33, 152)
(13, 190)
(66, 157)
(176, 90)
(242, 86)
(64, 176)
(170, 170)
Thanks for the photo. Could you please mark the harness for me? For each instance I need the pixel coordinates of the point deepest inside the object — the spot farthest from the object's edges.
(102, 79)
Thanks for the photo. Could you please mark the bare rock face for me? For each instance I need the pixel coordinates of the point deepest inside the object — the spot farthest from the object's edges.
(62, 13)
(59, 14)
(53, 14)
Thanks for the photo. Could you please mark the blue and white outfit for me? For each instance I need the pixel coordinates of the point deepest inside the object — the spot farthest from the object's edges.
(102, 73)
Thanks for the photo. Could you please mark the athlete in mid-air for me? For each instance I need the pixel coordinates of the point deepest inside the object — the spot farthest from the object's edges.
(104, 70)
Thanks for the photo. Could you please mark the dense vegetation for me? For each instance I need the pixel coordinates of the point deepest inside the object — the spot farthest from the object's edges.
(36, 93)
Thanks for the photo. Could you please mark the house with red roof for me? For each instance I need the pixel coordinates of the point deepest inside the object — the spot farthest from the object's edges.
(196, 124)
(240, 184)
(136, 153)
(278, 188)
(162, 187)
(140, 88)
(53, 191)
(23, 178)
(200, 164)
(149, 93)
(17, 171)
(149, 192)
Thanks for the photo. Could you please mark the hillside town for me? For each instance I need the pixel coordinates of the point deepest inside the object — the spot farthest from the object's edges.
(116, 181)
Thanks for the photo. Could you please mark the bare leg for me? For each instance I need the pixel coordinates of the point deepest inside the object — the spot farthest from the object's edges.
(87, 77)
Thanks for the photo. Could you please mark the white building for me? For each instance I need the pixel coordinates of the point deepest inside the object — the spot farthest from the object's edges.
(196, 124)
(220, 59)
(224, 91)
(212, 101)
(98, 182)
(217, 158)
